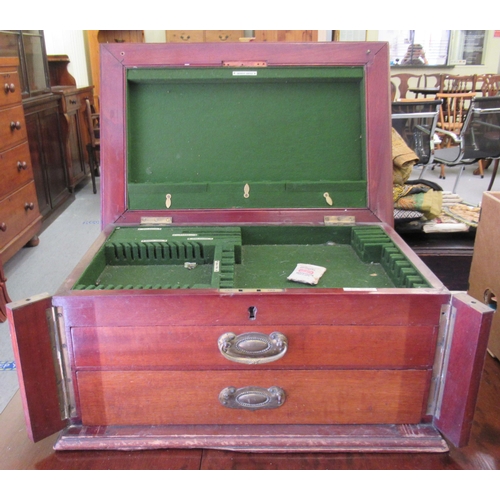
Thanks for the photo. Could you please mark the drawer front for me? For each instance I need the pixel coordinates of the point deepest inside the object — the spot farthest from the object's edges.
(185, 36)
(15, 166)
(17, 211)
(223, 35)
(72, 102)
(307, 346)
(10, 89)
(308, 397)
(12, 127)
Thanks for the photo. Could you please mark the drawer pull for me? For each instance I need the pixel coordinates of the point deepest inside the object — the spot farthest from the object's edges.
(21, 165)
(253, 348)
(15, 125)
(3, 227)
(29, 206)
(252, 398)
(9, 87)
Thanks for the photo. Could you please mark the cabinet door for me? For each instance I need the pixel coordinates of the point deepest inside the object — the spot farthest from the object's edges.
(33, 351)
(465, 350)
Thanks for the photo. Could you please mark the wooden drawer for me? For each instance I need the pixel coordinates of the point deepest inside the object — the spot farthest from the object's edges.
(197, 347)
(12, 127)
(311, 397)
(223, 35)
(17, 211)
(185, 36)
(15, 166)
(10, 89)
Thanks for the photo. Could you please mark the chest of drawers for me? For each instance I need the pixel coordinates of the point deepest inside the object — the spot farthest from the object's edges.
(222, 169)
(19, 214)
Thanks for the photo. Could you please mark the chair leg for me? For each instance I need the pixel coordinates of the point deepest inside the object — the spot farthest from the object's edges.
(493, 174)
(442, 175)
(92, 166)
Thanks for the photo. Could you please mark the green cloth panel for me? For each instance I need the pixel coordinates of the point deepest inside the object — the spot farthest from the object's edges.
(205, 126)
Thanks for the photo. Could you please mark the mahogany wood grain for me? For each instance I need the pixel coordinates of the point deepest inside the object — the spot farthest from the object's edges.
(15, 165)
(193, 307)
(33, 353)
(308, 346)
(116, 58)
(464, 368)
(17, 452)
(312, 397)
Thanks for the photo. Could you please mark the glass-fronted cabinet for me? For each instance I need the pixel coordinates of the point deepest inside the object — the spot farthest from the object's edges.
(29, 47)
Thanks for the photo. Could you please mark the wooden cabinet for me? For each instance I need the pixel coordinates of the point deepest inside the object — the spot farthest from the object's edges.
(193, 36)
(286, 36)
(165, 327)
(19, 214)
(75, 133)
(47, 152)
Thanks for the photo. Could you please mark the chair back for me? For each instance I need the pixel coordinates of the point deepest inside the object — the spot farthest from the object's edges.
(481, 132)
(490, 85)
(453, 111)
(416, 121)
(93, 124)
(458, 83)
(404, 81)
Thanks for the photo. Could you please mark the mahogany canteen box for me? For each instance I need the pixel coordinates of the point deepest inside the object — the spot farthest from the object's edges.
(484, 279)
(225, 167)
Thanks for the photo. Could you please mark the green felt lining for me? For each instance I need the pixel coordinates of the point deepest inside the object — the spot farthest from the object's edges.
(201, 134)
(248, 257)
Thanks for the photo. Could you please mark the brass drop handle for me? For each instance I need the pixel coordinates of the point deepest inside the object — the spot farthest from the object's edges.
(185, 37)
(3, 227)
(21, 165)
(253, 348)
(29, 206)
(223, 38)
(9, 87)
(252, 398)
(15, 125)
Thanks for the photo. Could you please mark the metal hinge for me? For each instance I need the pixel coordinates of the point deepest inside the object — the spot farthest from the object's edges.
(156, 221)
(339, 220)
(440, 368)
(62, 365)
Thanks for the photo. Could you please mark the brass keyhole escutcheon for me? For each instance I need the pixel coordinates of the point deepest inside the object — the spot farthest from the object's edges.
(328, 199)
(168, 200)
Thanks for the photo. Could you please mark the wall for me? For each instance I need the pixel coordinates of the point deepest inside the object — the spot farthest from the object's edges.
(70, 43)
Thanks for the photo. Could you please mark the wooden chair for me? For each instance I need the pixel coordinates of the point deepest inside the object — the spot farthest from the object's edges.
(403, 83)
(478, 138)
(457, 83)
(429, 81)
(94, 146)
(489, 85)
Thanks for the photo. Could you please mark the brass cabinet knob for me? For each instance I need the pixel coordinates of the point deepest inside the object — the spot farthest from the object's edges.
(253, 348)
(3, 227)
(15, 125)
(252, 398)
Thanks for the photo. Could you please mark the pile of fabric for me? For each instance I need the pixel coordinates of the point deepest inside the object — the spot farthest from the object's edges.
(421, 196)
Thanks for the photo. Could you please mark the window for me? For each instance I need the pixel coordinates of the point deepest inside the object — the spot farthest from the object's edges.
(29, 47)
(417, 47)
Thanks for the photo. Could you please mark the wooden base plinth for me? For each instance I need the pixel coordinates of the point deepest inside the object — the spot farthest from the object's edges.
(277, 439)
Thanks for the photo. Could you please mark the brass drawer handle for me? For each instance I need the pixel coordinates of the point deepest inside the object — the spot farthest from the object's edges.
(252, 398)
(15, 126)
(253, 348)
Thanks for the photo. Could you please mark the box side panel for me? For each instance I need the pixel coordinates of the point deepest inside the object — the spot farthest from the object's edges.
(34, 360)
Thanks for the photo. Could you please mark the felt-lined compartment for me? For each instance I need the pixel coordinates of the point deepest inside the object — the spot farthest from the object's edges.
(265, 138)
(255, 257)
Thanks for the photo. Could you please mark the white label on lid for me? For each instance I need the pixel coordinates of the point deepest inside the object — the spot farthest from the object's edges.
(244, 73)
